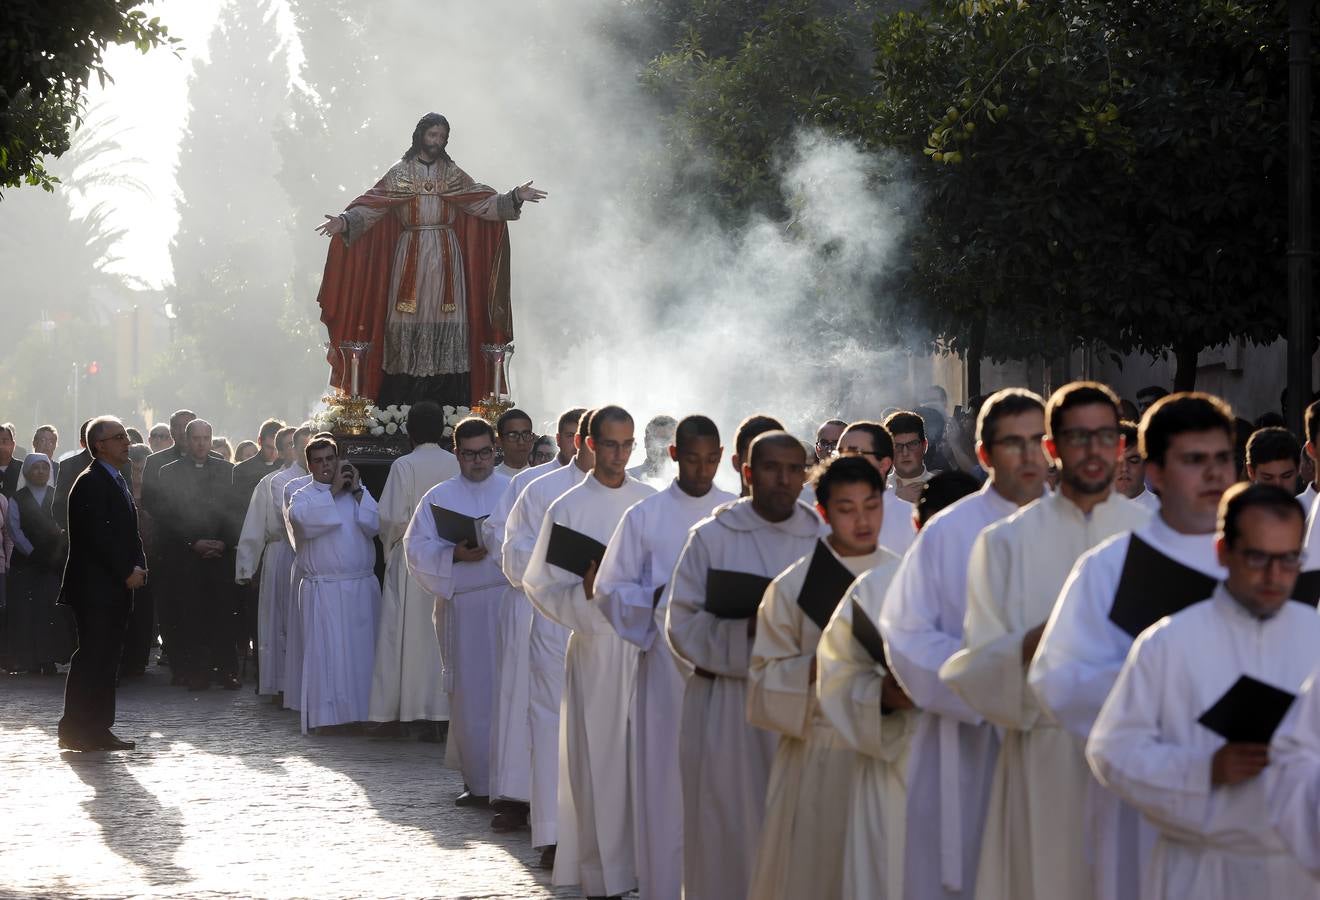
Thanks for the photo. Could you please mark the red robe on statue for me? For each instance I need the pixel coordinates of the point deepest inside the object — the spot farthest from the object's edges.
(355, 289)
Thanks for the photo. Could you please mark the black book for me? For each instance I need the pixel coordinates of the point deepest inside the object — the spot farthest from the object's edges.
(826, 582)
(734, 595)
(866, 634)
(572, 550)
(1308, 588)
(1153, 586)
(456, 527)
(1248, 712)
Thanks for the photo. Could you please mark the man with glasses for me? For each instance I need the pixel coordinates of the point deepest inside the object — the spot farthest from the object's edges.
(1130, 479)
(909, 433)
(871, 442)
(105, 566)
(1118, 589)
(511, 738)
(827, 438)
(1185, 734)
(1032, 847)
(408, 681)
(954, 748)
(514, 438)
(599, 666)
(548, 640)
(656, 468)
(462, 576)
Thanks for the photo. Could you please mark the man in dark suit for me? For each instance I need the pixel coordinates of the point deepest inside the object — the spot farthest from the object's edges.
(106, 564)
(68, 473)
(197, 532)
(164, 588)
(10, 466)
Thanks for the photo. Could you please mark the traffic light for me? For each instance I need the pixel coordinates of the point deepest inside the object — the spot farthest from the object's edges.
(93, 368)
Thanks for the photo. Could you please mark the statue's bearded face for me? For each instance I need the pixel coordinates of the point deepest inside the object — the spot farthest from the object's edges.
(434, 141)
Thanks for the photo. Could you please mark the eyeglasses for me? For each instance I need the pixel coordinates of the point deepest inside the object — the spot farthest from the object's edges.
(1016, 446)
(908, 446)
(826, 447)
(122, 436)
(1082, 437)
(1259, 560)
(483, 454)
(520, 437)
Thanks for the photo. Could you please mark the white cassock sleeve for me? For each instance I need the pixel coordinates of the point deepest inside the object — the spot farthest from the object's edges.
(625, 588)
(557, 593)
(1294, 778)
(430, 557)
(988, 673)
(1168, 782)
(848, 685)
(779, 684)
(395, 509)
(1072, 672)
(493, 529)
(909, 621)
(719, 646)
(312, 514)
(252, 539)
(368, 515)
(519, 542)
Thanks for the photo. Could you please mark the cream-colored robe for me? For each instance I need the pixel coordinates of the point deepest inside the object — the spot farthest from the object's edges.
(801, 851)
(595, 810)
(282, 488)
(1293, 778)
(849, 687)
(725, 761)
(1215, 842)
(1033, 847)
(256, 552)
(407, 684)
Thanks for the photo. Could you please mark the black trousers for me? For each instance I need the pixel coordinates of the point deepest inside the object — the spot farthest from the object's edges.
(204, 609)
(141, 630)
(89, 691)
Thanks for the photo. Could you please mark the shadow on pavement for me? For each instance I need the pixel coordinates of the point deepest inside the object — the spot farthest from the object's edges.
(134, 824)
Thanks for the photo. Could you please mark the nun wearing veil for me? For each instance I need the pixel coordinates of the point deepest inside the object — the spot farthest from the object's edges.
(39, 633)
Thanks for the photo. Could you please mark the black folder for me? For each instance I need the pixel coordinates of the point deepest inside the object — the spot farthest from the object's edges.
(1308, 588)
(1248, 712)
(456, 527)
(734, 595)
(866, 634)
(655, 598)
(826, 582)
(572, 550)
(1153, 586)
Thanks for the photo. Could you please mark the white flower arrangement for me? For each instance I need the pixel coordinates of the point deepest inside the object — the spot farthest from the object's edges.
(391, 420)
(454, 415)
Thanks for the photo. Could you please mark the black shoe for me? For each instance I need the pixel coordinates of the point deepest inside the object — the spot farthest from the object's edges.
(507, 821)
(467, 798)
(548, 857)
(110, 742)
(69, 742)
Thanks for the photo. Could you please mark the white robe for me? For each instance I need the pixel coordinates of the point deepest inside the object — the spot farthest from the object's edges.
(848, 685)
(725, 761)
(1148, 500)
(282, 488)
(1074, 669)
(640, 559)
(545, 654)
(1032, 847)
(339, 598)
(510, 736)
(801, 849)
(953, 748)
(509, 472)
(408, 682)
(595, 811)
(1307, 499)
(897, 531)
(470, 592)
(262, 534)
(1147, 745)
(1293, 777)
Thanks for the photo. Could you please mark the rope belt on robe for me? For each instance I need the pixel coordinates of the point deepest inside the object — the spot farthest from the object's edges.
(330, 579)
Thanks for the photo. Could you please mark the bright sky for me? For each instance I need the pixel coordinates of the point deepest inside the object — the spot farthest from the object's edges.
(149, 99)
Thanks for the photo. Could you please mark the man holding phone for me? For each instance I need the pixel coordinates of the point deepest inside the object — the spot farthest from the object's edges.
(333, 520)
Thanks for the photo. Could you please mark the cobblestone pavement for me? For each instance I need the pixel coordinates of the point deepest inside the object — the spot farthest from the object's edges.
(223, 797)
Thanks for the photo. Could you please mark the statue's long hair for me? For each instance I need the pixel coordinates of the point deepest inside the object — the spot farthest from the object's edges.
(424, 124)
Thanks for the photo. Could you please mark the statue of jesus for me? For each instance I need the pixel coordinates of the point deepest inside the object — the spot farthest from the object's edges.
(421, 271)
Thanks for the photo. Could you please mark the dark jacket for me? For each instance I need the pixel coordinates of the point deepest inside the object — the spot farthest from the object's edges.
(68, 473)
(194, 504)
(104, 545)
(9, 477)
